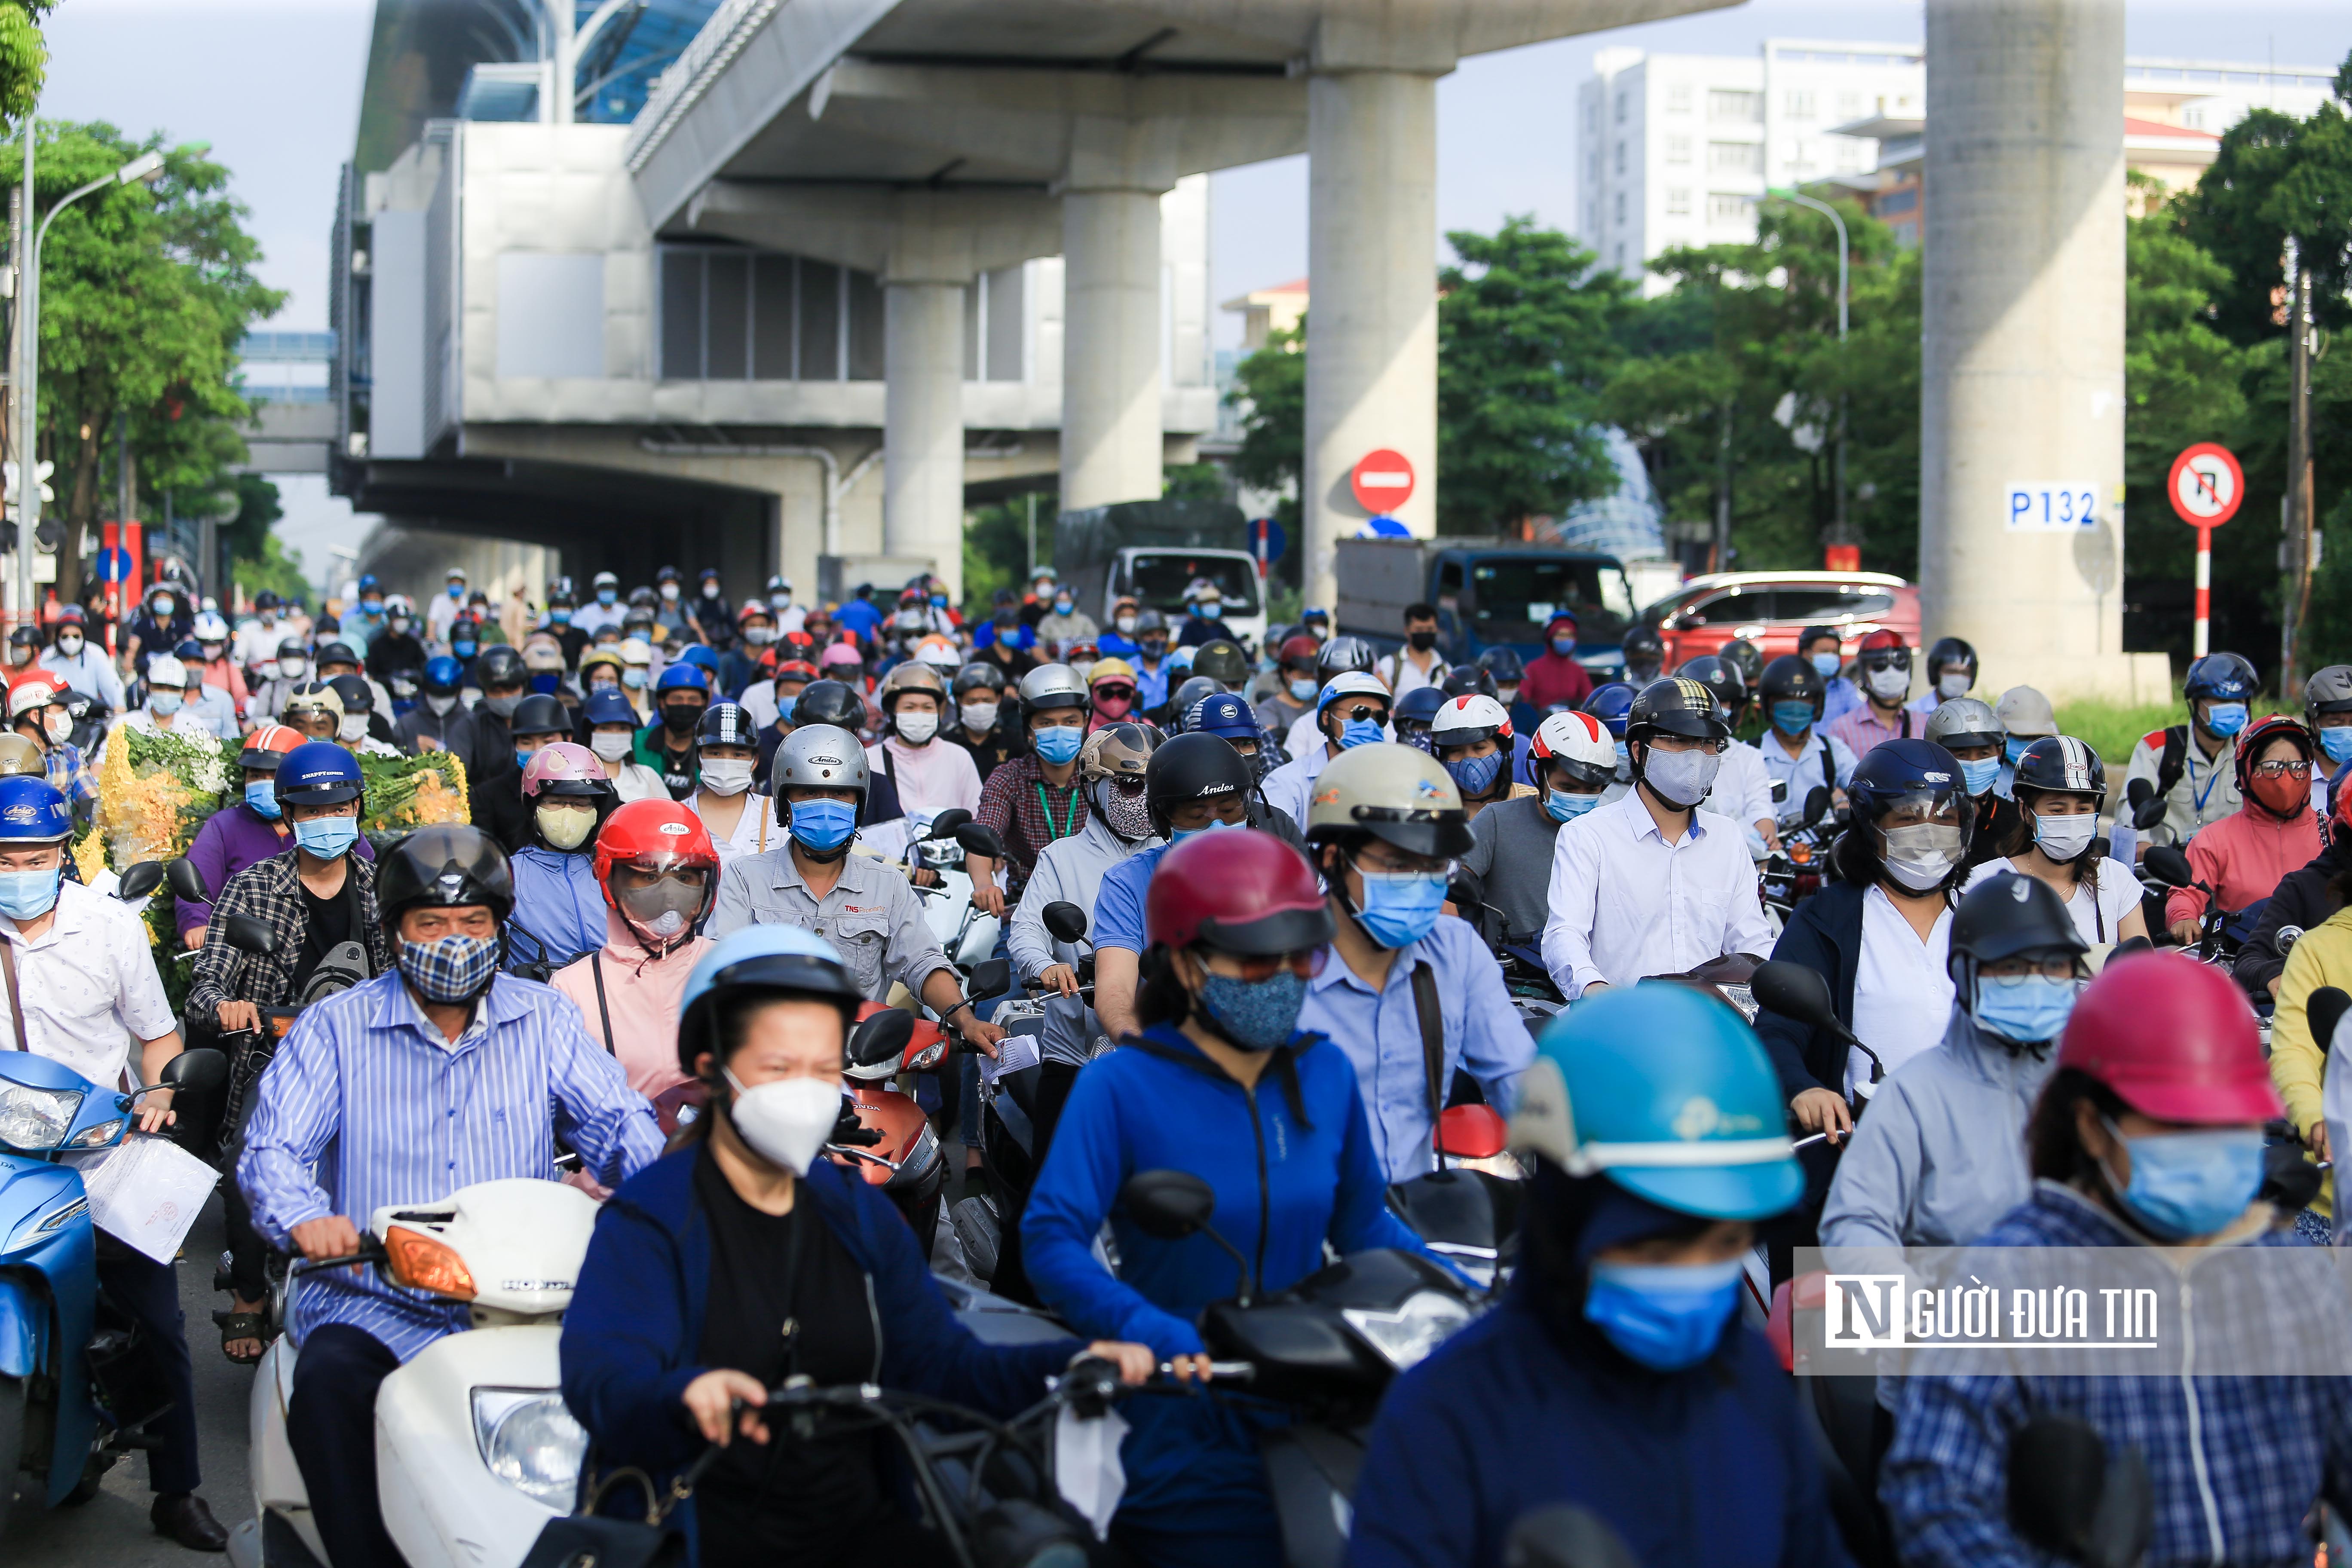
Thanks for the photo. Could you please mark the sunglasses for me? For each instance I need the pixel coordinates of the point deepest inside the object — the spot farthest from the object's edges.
(1257, 969)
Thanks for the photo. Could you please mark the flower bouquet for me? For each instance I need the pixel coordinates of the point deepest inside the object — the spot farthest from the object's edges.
(154, 791)
(401, 793)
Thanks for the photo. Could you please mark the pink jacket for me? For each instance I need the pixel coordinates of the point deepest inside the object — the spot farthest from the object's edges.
(642, 996)
(2242, 859)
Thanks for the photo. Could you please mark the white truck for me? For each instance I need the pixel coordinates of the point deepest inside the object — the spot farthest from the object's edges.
(1152, 552)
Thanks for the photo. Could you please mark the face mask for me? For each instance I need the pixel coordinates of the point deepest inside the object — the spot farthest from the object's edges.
(1421, 641)
(1085, 667)
(633, 678)
(1667, 1317)
(1125, 623)
(164, 703)
(372, 606)
(916, 728)
(784, 707)
(523, 756)
(758, 636)
(606, 596)
(1569, 807)
(1126, 815)
(1950, 685)
(1255, 1017)
(262, 795)
(564, 828)
(353, 728)
(1983, 774)
(1564, 647)
(681, 719)
(1359, 733)
(1921, 857)
(2225, 719)
(2013, 749)
(1476, 775)
(1827, 665)
(1400, 906)
(1113, 707)
(711, 590)
(2336, 742)
(504, 706)
(326, 837)
(457, 590)
(1304, 689)
(2027, 1008)
(2063, 838)
(612, 745)
(1793, 719)
(400, 624)
(2190, 1184)
(669, 591)
(560, 617)
(452, 971)
(28, 895)
(1060, 743)
(1644, 673)
(164, 606)
(1507, 695)
(71, 648)
(1889, 685)
(979, 717)
(824, 825)
(1181, 834)
(440, 706)
(1681, 778)
(462, 647)
(1063, 606)
(727, 776)
(1207, 609)
(786, 1122)
(59, 728)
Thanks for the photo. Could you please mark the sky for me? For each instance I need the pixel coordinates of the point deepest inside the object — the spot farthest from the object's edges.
(274, 85)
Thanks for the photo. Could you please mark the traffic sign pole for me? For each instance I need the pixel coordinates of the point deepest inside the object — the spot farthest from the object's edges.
(2205, 487)
(2203, 637)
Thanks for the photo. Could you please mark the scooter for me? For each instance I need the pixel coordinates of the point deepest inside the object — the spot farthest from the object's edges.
(475, 1450)
(901, 1152)
(966, 935)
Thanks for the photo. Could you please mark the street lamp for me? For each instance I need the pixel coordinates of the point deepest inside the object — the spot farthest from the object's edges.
(1837, 481)
(145, 167)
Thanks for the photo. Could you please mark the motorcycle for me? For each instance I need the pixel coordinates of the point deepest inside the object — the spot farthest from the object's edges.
(885, 1137)
(1798, 870)
(965, 934)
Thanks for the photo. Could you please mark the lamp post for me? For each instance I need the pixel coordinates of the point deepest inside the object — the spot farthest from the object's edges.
(146, 166)
(1837, 477)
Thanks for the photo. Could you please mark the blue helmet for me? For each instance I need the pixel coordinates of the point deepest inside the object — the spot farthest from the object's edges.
(368, 582)
(700, 654)
(1667, 1092)
(319, 773)
(33, 811)
(443, 675)
(1611, 704)
(1894, 770)
(606, 706)
(1419, 706)
(758, 958)
(189, 652)
(2224, 675)
(683, 676)
(1223, 714)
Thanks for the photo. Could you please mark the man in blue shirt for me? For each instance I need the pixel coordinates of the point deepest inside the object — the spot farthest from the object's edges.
(1383, 825)
(860, 615)
(403, 1090)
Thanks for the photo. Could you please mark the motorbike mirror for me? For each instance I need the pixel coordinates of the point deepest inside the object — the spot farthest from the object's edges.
(1817, 805)
(882, 1037)
(1566, 1536)
(2325, 1009)
(1795, 992)
(2168, 865)
(2287, 939)
(1066, 920)
(139, 881)
(990, 977)
(1466, 890)
(187, 882)
(200, 1071)
(2069, 1497)
(250, 935)
(945, 823)
(1169, 1204)
(979, 838)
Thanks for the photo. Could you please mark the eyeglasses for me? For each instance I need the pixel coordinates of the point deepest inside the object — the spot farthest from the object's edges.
(2281, 769)
(1255, 967)
(2042, 969)
(1413, 866)
(1713, 746)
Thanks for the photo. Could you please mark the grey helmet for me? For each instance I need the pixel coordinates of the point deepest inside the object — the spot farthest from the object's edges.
(819, 756)
(1053, 686)
(2329, 690)
(1965, 721)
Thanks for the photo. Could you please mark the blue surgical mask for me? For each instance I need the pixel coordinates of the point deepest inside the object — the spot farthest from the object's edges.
(1564, 647)
(1304, 689)
(784, 706)
(462, 649)
(164, 703)
(2027, 1008)
(457, 590)
(632, 677)
(1569, 807)
(1982, 775)
(1181, 834)
(1624, 754)
(1063, 606)
(2337, 744)
(2225, 719)
(1060, 742)
(1793, 718)
(606, 596)
(560, 616)
(1360, 732)
(939, 601)
(1255, 1015)
(262, 795)
(523, 756)
(326, 837)
(28, 895)
(1400, 906)
(2190, 1184)
(1476, 775)
(1827, 664)
(824, 825)
(372, 606)
(2013, 749)
(1666, 1316)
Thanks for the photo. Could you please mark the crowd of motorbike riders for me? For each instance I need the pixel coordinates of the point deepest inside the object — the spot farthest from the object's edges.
(1328, 893)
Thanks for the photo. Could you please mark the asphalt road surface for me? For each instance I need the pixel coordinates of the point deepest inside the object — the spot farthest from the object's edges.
(111, 1531)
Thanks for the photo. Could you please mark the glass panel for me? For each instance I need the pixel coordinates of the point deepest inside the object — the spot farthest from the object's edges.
(1739, 607)
(772, 317)
(727, 342)
(1158, 581)
(1516, 595)
(681, 306)
(864, 327)
(820, 321)
(1829, 602)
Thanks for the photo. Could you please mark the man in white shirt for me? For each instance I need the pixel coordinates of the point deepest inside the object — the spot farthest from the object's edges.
(1796, 752)
(1649, 884)
(1418, 663)
(603, 606)
(444, 607)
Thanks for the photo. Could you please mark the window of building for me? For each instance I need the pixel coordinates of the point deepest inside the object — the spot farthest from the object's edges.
(1729, 207)
(729, 313)
(1591, 114)
(1903, 201)
(1735, 157)
(1732, 106)
(1620, 256)
(1592, 165)
(1678, 149)
(1678, 202)
(1798, 104)
(1621, 157)
(1621, 207)
(1678, 98)
(1849, 106)
(1621, 109)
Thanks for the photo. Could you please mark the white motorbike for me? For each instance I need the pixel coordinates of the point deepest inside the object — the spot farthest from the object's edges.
(965, 934)
(475, 1451)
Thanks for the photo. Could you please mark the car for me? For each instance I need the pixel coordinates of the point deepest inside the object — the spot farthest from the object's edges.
(1771, 609)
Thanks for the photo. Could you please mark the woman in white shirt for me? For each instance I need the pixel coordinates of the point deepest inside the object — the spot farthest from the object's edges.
(612, 736)
(2059, 787)
(740, 822)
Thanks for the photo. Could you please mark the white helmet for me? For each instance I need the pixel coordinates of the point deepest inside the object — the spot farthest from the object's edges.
(165, 670)
(1579, 743)
(210, 628)
(1468, 719)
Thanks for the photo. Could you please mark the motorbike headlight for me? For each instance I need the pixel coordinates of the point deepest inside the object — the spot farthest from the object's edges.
(97, 1137)
(1407, 1335)
(35, 1118)
(530, 1441)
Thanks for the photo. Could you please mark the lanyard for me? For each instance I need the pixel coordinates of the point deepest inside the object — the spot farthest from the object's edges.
(2211, 779)
(1070, 823)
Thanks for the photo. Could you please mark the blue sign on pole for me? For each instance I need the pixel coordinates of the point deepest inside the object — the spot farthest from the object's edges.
(114, 564)
(1267, 540)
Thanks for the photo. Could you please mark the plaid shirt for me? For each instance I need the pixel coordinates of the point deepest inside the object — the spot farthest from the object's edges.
(71, 778)
(271, 892)
(1010, 803)
(2237, 1462)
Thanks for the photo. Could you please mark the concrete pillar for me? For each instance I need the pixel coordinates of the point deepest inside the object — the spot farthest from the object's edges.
(1371, 325)
(1111, 346)
(922, 425)
(2022, 363)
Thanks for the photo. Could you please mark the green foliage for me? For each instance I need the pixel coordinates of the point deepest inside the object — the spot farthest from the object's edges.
(1270, 395)
(1525, 346)
(24, 58)
(996, 548)
(257, 559)
(1192, 482)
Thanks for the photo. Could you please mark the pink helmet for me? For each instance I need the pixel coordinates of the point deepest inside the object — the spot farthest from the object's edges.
(562, 767)
(840, 653)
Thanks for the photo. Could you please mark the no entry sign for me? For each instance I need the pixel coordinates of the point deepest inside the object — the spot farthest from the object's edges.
(1382, 481)
(2206, 485)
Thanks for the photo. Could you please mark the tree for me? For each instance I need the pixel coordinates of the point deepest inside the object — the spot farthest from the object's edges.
(1524, 349)
(257, 560)
(24, 58)
(1270, 395)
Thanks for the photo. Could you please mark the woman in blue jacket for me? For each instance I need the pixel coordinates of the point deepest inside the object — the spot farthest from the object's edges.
(559, 913)
(709, 1280)
(1219, 1083)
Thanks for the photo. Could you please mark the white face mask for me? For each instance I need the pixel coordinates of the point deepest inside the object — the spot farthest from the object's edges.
(1681, 778)
(69, 648)
(1889, 685)
(786, 1122)
(1126, 623)
(60, 728)
(291, 668)
(353, 727)
(916, 728)
(726, 775)
(758, 636)
(612, 745)
(1922, 856)
(669, 591)
(1950, 685)
(440, 705)
(2063, 838)
(979, 717)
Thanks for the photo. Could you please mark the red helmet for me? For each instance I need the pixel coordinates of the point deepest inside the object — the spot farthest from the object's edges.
(1238, 891)
(1883, 638)
(669, 845)
(2260, 733)
(267, 747)
(1300, 650)
(2174, 1039)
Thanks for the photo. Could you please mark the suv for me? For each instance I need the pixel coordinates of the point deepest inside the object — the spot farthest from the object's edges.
(1771, 609)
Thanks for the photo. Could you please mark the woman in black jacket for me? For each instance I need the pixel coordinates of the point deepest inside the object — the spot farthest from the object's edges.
(2301, 900)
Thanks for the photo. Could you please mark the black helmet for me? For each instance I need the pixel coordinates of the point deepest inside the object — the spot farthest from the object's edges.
(1221, 662)
(1950, 650)
(1643, 648)
(1191, 691)
(1742, 655)
(337, 653)
(1676, 706)
(448, 866)
(1896, 771)
(1467, 681)
(1199, 767)
(357, 695)
(2009, 916)
(539, 714)
(830, 702)
(2061, 764)
(729, 724)
(1341, 654)
(1417, 708)
(977, 678)
(499, 665)
(1719, 676)
(2329, 690)
(2224, 676)
(1790, 679)
(1504, 664)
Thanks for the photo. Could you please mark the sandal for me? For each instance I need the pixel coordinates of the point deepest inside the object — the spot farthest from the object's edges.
(236, 1326)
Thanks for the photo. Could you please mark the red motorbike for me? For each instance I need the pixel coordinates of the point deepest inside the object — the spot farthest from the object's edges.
(892, 1144)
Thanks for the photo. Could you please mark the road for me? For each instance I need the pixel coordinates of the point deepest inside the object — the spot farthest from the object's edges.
(111, 1529)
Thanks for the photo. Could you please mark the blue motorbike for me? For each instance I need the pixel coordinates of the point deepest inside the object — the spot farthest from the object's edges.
(73, 1394)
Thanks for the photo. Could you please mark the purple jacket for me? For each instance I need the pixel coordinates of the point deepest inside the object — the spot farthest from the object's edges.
(231, 839)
